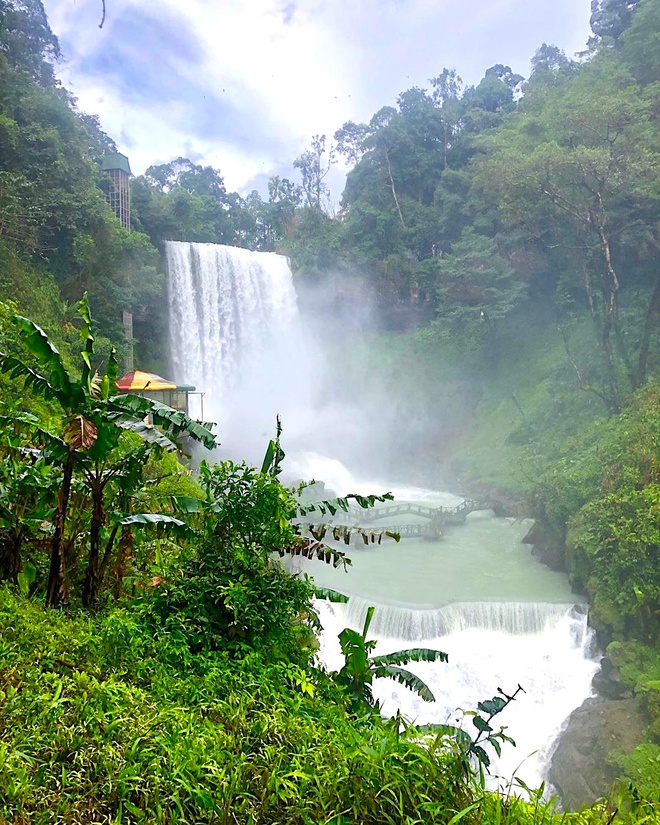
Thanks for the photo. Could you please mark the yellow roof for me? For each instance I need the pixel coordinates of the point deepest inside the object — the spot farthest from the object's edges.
(138, 380)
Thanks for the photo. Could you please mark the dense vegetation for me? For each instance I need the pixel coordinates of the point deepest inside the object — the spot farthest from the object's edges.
(508, 234)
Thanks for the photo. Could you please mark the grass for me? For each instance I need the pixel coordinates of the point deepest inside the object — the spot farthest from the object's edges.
(104, 722)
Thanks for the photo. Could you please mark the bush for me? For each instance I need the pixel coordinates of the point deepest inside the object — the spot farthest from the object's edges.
(225, 596)
(90, 736)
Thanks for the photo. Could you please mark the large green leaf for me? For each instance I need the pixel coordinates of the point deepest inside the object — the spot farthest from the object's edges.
(367, 620)
(146, 432)
(26, 578)
(87, 337)
(157, 519)
(415, 654)
(187, 504)
(109, 382)
(492, 706)
(151, 518)
(333, 505)
(405, 677)
(15, 368)
(29, 423)
(330, 595)
(107, 439)
(462, 737)
(481, 724)
(272, 463)
(173, 421)
(129, 468)
(39, 345)
(356, 655)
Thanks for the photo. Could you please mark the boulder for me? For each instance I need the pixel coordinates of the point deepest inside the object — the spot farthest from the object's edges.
(547, 546)
(579, 771)
(607, 682)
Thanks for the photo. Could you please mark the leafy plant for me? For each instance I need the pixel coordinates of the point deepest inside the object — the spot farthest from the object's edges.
(472, 748)
(27, 497)
(361, 668)
(94, 418)
(255, 506)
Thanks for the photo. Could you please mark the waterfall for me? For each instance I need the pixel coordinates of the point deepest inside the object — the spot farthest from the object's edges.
(546, 648)
(408, 624)
(237, 336)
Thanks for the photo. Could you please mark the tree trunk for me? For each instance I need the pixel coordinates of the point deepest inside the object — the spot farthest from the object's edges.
(10, 556)
(56, 590)
(92, 577)
(392, 187)
(651, 327)
(610, 309)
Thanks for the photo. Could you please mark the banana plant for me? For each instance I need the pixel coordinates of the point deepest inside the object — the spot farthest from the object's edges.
(27, 495)
(94, 414)
(361, 668)
(309, 540)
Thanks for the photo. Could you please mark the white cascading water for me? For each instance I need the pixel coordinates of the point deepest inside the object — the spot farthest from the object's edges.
(235, 334)
(546, 648)
(477, 595)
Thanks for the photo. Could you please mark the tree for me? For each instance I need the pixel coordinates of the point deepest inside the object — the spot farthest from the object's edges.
(578, 173)
(477, 288)
(314, 168)
(610, 19)
(94, 416)
(26, 39)
(184, 174)
(447, 88)
(268, 223)
(640, 47)
(550, 67)
(27, 487)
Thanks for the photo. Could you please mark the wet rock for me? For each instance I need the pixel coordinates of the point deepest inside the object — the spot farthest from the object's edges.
(607, 682)
(547, 546)
(579, 771)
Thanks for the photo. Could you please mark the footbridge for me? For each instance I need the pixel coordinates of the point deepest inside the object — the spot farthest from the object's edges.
(436, 518)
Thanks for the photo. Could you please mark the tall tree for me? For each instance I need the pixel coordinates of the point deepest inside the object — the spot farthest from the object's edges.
(94, 416)
(610, 19)
(26, 39)
(314, 165)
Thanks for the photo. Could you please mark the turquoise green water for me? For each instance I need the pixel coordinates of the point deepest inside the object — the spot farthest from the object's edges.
(482, 560)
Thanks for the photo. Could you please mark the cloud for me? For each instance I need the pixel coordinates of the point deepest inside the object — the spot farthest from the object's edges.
(287, 13)
(245, 85)
(150, 57)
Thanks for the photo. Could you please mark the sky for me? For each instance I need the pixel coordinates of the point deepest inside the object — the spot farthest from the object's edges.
(243, 85)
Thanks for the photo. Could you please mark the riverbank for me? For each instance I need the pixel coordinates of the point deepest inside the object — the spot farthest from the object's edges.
(596, 500)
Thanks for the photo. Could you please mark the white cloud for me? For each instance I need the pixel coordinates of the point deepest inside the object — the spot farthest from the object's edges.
(246, 84)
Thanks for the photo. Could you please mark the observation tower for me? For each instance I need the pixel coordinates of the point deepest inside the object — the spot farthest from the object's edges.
(118, 169)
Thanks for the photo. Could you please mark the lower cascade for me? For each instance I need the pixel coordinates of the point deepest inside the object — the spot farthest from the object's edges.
(477, 594)
(546, 648)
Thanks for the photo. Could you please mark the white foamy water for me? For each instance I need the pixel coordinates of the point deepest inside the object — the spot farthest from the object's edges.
(338, 478)
(546, 648)
(476, 594)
